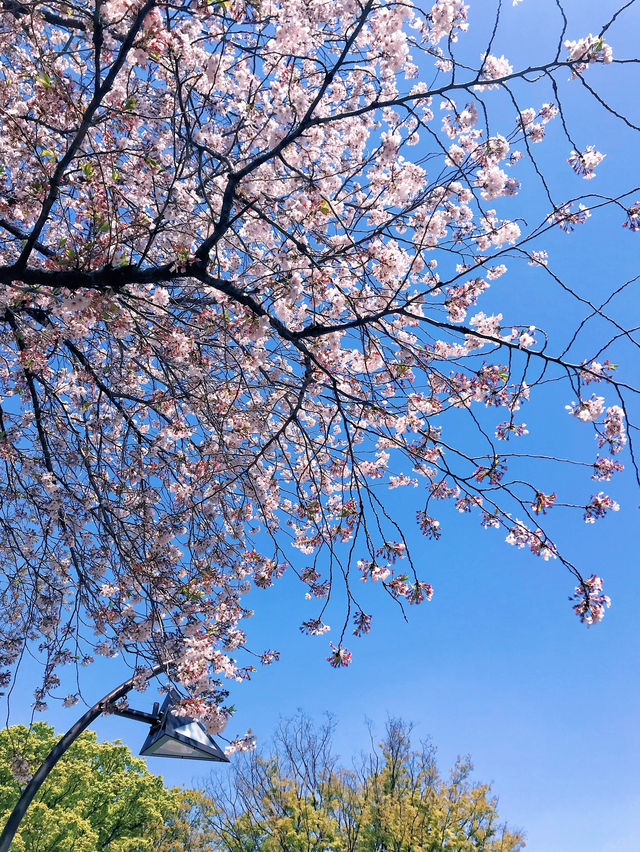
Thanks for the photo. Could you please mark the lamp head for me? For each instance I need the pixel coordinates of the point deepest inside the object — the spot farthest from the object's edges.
(180, 736)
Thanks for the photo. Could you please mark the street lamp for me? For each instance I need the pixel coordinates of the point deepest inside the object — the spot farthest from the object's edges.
(170, 735)
(175, 735)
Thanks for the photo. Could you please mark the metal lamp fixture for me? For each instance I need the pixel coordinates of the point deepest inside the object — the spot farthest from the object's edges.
(175, 735)
(180, 736)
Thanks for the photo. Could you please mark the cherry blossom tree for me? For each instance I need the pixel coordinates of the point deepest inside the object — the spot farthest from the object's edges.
(244, 246)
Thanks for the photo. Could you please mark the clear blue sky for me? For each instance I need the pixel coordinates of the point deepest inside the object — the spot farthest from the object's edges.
(497, 665)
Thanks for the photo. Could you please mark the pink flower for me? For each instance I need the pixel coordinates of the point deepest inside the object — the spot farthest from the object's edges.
(590, 602)
(339, 657)
(373, 570)
(614, 429)
(600, 504)
(505, 430)
(633, 217)
(239, 744)
(548, 111)
(521, 536)
(314, 627)
(20, 770)
(419, 592)
(494, 67)
(604, 468)
(444, 18)
(428, 525)
(543, 502)
(584, 163)
(587, 409)
(567, 219)
(587, 50)
(362, 623)
(526, 339)
(538, 258)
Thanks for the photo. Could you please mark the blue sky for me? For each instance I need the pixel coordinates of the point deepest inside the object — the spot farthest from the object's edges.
(497, 665)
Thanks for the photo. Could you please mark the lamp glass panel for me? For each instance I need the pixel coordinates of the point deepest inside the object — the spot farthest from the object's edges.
(172, 748)
(195, 732)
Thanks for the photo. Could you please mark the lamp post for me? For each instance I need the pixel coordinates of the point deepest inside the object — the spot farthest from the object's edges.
(170, 735)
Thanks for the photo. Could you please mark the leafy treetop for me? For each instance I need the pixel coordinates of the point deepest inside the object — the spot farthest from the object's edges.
(298, 798)
(98, 797)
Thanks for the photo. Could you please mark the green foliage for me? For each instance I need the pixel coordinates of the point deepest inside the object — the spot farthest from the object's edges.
(294, 799)
(298, 800)
(98, 797)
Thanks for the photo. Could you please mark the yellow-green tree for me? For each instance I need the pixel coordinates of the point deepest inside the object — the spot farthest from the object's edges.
(98, 797)
(298, 799)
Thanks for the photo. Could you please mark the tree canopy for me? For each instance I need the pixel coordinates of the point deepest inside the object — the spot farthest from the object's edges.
(293, 797)
(98, 797)
(298, 798)
(242, 249)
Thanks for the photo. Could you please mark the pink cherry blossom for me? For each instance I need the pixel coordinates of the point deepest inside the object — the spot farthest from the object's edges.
(604, 468)
(587, 50)
(339, 657)
(633, 217)
(590, 602)
(585, 162)
(254, 259)
(494, 67)
(20, 770)
(587, 409)
(600, 504)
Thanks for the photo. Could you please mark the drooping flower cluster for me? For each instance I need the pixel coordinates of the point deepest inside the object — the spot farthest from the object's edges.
(338, 657)
(598, 507)
(590, 601)
(633, 217)
(614, 433)
(584, 163)
(604, 468)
